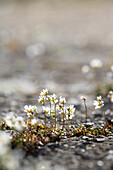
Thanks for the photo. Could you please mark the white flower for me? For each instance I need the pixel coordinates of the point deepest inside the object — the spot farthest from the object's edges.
(99, 98)
(70, 112)
(60, 107)
(42, 99)
(14, 122)
(96, 63)
(20, 123)
(110, 95)
(62, 100)
(34, 109)
(33, 121)
(98, 103)
(46, 109)
(49, 97)
(10, 119)
(31, 110)
(27, 108)
(30, 114)
(85, 69)
(70, 116)
(52, 111)
(62, 112)
(53, 99)
(44, 92)
(71, 109)
(83, 98)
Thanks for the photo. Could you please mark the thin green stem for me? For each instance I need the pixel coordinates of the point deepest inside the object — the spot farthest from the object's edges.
(63, 115)
(37, 115)
(50, 116)
(57, 122)
(105, 118)
(68, 123)
(86, 113)
(110, 110)
(55, 116)
(44, 118)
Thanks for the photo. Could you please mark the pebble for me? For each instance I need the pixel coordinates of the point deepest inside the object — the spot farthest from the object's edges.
(100, 139)
(83, 150)
(109, 157)
(85, 137)
(72, 147)
(100, 163)
(110, 137)
(111, 152)
(43, 165)
(90, 165)
(65, 145)
(89, 124)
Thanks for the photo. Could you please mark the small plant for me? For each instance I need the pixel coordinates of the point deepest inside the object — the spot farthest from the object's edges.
(98, 104)
(30, 133)
(110, 96)
(70, 114)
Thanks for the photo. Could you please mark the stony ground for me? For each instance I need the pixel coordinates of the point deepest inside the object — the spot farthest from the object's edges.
(85, 152)
(67, 36)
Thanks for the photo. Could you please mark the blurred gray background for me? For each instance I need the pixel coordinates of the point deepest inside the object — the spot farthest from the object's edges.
(45, 43)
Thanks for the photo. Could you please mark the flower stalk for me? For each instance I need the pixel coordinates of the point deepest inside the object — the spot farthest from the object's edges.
(105, 118)
(68, 122)
(50, 116)
(86, 113)
(84, 100)
(55, 116)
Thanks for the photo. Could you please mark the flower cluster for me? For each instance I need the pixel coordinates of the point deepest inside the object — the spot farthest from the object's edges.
(30, 132)
(30, 110)
(56, 108)
(16, 122)
(43, 96)
(70, 112)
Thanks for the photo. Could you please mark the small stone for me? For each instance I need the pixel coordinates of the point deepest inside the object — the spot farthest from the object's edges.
(88, 148)
(100, 139)
(111, 152)
(90, 165)
(88, 124)
(72, 147)
(65, 145)
(85, 137)
(100, 163)
(43, 165)
(109, 157)
(83, 150)
(90, 136)
(110, 137)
